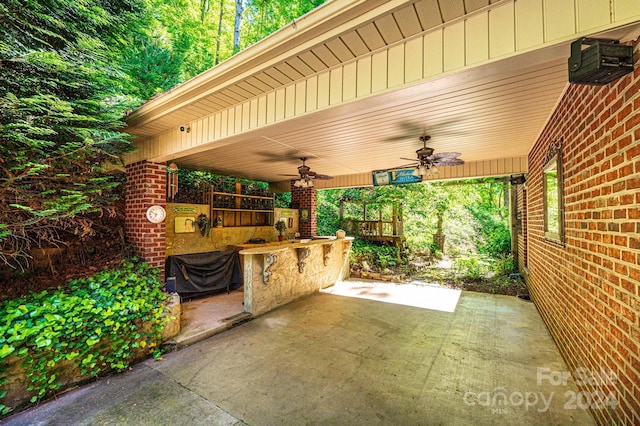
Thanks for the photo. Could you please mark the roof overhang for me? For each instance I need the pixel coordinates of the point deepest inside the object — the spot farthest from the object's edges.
(352, 85)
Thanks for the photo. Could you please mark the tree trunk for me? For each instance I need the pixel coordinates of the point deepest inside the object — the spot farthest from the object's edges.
(217, 56)
(204, 8)
(236, 27)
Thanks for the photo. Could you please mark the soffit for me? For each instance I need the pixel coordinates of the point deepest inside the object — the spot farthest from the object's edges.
(481, 114)
(361, 28)
(492, 111)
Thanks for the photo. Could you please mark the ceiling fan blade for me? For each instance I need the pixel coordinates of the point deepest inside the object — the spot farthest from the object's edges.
(410, 159)
(322, 177)
(280, 174)
(289, 156)
(399, 138)
(412, 127)
(445, 155)
(411, 130)
(408, 131)
(448, 162)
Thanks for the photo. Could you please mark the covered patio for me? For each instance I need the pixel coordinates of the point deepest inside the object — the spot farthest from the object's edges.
(351, 87)
(467, 359)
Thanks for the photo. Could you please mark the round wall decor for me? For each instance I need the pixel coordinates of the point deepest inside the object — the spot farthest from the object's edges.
(156, 214)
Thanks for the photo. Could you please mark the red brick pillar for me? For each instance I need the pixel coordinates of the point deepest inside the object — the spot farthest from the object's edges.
(146, 186)
(305, 198)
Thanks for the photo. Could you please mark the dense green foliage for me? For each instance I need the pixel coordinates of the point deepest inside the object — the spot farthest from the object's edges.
(378, 256)
(477, 267)
(98, 324)
(263, 17)
(58, 118)
(182, 38)
(69, 70)
(473, 215)
(490, 211)
(174, 42)
(552, 202)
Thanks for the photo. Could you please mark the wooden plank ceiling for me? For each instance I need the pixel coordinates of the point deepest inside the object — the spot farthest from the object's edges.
(481, 118)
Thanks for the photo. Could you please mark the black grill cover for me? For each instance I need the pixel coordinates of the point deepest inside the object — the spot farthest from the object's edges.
(202, 273)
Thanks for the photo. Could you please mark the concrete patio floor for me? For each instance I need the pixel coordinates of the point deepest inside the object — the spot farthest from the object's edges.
(331, 359)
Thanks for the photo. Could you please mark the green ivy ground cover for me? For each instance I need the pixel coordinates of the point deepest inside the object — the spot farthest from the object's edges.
(98, 323)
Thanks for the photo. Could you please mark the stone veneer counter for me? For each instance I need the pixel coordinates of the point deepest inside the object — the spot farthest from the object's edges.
(270, 246)
(279, 272)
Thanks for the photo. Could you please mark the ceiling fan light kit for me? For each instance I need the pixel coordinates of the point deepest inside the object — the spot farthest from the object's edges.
(425, 170)
(306, 176)
(428, 160)
(303, 183)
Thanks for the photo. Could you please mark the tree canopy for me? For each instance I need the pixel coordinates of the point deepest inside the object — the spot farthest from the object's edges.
(182, 38)
(59, 117)
(69, 69)
(472, 214)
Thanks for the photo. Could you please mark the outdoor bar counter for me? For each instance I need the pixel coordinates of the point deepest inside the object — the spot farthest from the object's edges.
(279, 272)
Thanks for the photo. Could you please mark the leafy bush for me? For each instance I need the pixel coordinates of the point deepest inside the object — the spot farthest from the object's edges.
(379, 256)
(504, 265)
(471, 267)
(492, 225)
(328, 214)
(496, 240)
(98, 325)
(477, 267)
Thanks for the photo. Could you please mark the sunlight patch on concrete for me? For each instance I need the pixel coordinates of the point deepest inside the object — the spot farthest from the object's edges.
(419, 296)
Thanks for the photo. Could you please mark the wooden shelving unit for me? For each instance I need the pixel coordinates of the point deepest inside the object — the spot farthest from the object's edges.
(239, 209)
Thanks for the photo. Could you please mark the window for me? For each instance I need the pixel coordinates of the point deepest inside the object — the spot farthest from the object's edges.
(552, 194)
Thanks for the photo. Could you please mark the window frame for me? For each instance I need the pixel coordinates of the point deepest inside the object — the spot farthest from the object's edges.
(554, 164)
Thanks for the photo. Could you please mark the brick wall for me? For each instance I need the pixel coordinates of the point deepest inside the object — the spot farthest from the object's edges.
(587, 289)
(306, 198)
(146, 186)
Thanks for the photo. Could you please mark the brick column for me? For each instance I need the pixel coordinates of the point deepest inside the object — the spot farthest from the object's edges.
(305, 198)
(146, 186)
